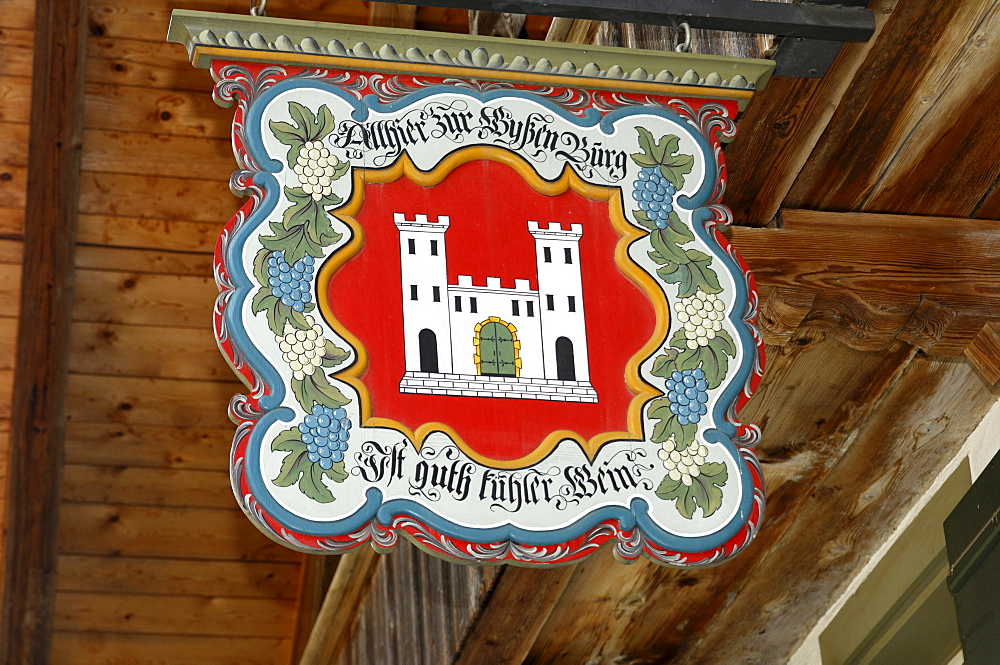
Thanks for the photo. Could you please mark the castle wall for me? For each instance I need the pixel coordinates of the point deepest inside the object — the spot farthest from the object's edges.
(491, 300)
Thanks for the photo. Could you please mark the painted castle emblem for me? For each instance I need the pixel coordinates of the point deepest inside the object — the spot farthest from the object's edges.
(491, 340)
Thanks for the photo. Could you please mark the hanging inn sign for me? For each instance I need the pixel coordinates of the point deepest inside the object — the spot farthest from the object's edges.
(479, 294)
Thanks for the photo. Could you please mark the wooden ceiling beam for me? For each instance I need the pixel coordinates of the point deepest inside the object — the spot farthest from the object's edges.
(914, 131)
(910, 437)
(38, 416)
(499, 24)
(871, 279)
(648, 613)
(389, 15)
(512, 616)
(783, 124)
(347, 589)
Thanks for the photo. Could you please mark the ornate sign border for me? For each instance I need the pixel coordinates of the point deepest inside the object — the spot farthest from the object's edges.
(680, 247)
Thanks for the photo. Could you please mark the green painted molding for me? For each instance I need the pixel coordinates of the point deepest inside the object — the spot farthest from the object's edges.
(193, 28)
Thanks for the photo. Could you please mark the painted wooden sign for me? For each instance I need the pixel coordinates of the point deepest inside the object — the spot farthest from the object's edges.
(483, 301)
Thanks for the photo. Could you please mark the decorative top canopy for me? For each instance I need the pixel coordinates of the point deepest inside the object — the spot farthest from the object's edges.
(209, 35)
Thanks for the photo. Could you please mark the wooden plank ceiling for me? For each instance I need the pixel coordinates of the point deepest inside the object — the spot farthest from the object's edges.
(866, 202)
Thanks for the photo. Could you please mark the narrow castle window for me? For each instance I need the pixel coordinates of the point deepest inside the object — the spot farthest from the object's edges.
(547, 254)
(472, 305)
(568, 252)
(458, 303)
(550, 302)
(436, 293)
(572, 303)
(515, 308)
(531, 308)
(413, 291)
(411, 245)
(434, 248)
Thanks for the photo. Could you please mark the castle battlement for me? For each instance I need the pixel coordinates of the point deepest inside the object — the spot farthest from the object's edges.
(555, 231)
(494, 284)
(421, 222)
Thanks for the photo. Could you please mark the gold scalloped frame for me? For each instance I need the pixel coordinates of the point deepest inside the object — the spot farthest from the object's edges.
(567, 181)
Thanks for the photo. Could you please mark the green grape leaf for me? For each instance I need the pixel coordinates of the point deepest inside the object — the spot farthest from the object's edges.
(338, 172)
(305, 126)
(662, 153)
(311, 214)
(664, 242)
(263, 301)
(712, 360)
(288, 441)
(724, 343)
(260, 266)
(705, 491)
(675, 168)
(663, 364)
(679, 340)
(296, 468)
(315, 388)
(691, 275)
(659, 409)
(336, 473)
(277, 312)
(294, 242)
(288, 134)
(643, 219)
(668, 488)
(334, 355)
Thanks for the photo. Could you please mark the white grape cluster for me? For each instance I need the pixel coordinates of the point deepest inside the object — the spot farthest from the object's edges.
(702, 316)
(682, 465)
(316, 167)
(303, 350)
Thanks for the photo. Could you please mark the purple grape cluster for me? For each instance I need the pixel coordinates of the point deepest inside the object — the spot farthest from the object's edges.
(687, 392)
(290, 283)
(325, 432)
(655, 195)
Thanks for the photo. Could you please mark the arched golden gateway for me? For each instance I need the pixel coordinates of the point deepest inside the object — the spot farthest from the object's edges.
(480, 296)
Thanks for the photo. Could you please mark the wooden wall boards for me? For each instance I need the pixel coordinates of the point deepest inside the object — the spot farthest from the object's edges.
(482, 301)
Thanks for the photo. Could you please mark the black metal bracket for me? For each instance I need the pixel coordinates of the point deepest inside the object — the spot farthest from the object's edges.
(812, 31)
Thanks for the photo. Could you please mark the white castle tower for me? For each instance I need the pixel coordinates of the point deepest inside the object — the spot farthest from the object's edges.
(424, 267)
(560, 292)
(491, 340)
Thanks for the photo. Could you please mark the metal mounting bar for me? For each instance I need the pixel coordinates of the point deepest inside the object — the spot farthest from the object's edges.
(810, 21)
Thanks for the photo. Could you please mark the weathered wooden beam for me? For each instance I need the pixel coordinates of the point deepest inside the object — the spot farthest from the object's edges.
(913, 433)
(894, 144)
(572, 31)
(815, 21)
(645, 613)
(417, 611)
(500, 24)
(391, 15)
(37, 426)
(315, 576)
(351, 581)
(783, 124)
(984, 353)
(509, 622)
(874, 278)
